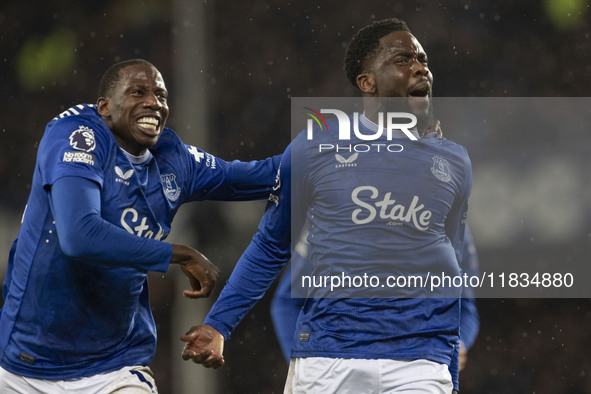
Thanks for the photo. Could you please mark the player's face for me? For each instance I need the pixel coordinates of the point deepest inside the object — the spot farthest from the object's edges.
(137, 108)
(400, 70)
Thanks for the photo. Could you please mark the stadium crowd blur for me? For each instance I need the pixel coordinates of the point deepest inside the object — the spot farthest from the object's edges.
(258, 55)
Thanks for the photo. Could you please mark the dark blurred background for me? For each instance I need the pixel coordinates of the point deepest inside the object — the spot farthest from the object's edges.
(231, 68)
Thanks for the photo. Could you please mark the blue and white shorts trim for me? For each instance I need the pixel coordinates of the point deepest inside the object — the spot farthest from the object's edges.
(127, 380)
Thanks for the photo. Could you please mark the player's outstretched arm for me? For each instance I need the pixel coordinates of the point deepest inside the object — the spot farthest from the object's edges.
(201, 272)
(205, 345)
(83, 233)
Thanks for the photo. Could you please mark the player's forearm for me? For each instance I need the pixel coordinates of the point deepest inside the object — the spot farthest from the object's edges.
(83, 234)
(256, 171)
(247, 180)
(253, 275)
(259, 265)
(101, 242)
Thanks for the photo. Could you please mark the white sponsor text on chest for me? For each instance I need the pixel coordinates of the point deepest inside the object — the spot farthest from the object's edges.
(387, 208)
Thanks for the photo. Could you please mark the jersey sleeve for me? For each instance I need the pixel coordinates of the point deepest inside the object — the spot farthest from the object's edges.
(212, 178)
(247, 180)
(83, 233)
(73, 146)
(262, 260)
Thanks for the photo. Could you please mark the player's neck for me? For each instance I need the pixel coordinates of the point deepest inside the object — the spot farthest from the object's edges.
(133, 159)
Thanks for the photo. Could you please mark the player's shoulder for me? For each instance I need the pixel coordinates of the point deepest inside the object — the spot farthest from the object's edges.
(445, 152)
(286, 155)
(83, 117)
(174, 149)
(171, 149)
(303, 144)
(76, 113)
(451, 147)
(80, 125)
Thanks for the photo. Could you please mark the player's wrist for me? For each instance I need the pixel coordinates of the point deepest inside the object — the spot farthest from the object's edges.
(181, 254)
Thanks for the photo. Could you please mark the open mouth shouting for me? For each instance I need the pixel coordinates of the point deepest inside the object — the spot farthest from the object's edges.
(420, 96)
(420, 89)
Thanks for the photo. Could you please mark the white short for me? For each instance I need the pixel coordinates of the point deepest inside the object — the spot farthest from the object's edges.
(127, 380)
(319, 375)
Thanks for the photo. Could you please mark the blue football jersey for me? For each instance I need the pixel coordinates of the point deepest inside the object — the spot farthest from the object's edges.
(394, 210)
(285, 308)
(66, 318)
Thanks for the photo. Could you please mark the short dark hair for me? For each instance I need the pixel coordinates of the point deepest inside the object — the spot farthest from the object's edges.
(111, 77)
(365, 44)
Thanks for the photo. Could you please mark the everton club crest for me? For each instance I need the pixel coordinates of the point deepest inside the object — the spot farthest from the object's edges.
(171, 188)
(441, 169)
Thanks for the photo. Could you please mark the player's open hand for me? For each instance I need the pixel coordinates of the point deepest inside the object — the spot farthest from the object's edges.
(205, 346)
(201, 272)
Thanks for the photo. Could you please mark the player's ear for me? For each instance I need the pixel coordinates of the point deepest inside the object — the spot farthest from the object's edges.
(103, 107)
(366, 82)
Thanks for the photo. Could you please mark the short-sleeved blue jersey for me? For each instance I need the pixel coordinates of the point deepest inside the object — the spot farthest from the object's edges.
(66, 318)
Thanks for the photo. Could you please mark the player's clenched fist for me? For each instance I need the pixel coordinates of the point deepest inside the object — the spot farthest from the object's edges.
(201, 272)
(205, 345)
